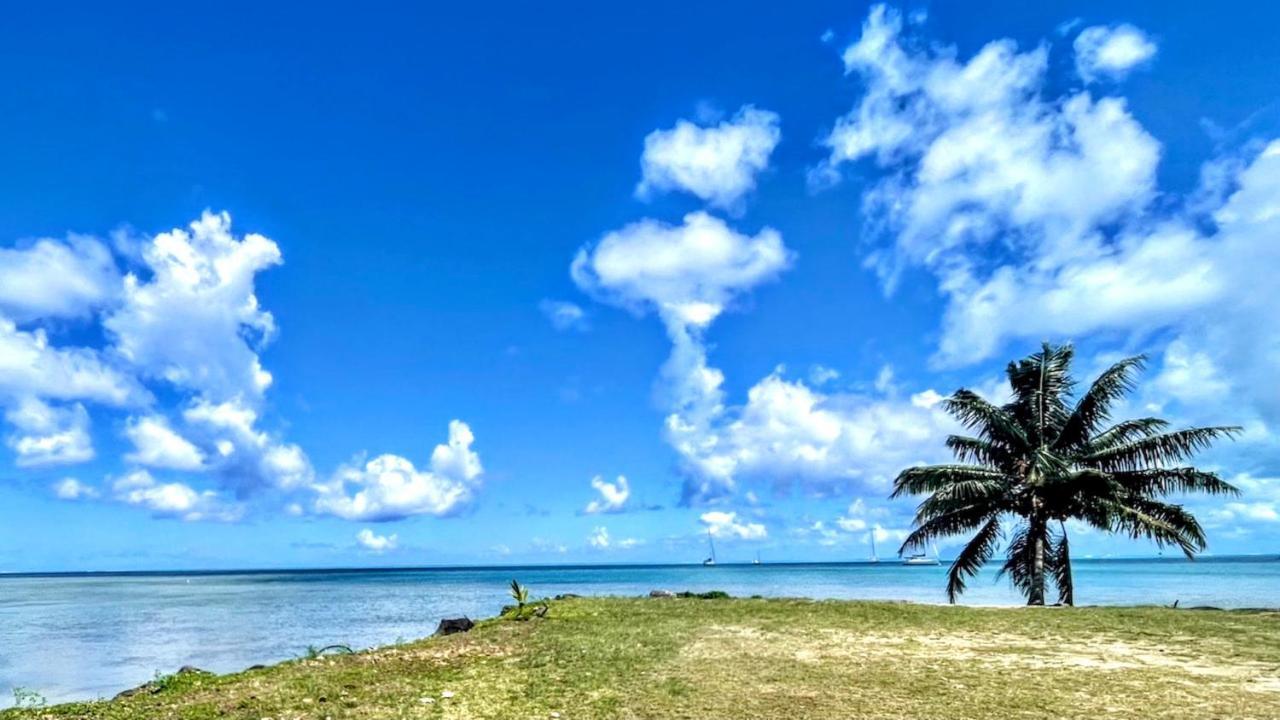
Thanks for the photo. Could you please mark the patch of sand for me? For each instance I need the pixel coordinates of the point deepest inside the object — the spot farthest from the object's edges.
(999, 651)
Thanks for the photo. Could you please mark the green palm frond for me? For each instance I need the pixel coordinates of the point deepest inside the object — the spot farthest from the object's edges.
(990, 422)
(979, 451)
(1059, 562)
(934, 478)
(1127, 431)
(1162, 523)
(1094, 408)
(1041, 385)
(1159, 450)
(941, 526)
(1167, 481)
(1018, 560)
(971, 559)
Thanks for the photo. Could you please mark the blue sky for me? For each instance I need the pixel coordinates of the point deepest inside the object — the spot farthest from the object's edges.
(418, 285)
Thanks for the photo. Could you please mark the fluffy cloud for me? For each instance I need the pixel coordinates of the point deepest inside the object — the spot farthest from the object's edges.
(726, 525)
(688, 273)
(975, 155)
(73, 489)
(389, 487)
(717, 164)
(186, 316)
(1036, 214)
(48, 435)
(1111, 51)
(244, 456)
(564, 315)
(613, 496)
(158, 446)
(601, 540)
(788, 431)
(30, 366)
(52, 278)
(821, 375)
(195, 322)
(376, 543)
(173, 499)
(866, 522)
(1209, 288)
(1258, 507)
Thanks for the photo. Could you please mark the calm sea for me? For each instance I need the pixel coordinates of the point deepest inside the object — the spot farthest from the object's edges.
(84, 636)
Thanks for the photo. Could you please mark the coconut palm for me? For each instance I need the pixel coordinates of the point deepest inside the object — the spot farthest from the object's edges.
(1048, 457)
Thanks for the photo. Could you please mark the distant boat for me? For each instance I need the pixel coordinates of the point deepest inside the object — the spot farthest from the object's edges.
(711, 560)
(874, 557)
(757, 560)
(921, 558)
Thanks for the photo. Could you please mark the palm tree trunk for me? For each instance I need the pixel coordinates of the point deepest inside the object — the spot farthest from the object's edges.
(1036, 595)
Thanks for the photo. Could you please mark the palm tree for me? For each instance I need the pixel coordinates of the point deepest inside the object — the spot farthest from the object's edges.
(1041, 460)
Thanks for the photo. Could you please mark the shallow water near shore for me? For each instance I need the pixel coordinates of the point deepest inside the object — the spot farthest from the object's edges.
(73, 637)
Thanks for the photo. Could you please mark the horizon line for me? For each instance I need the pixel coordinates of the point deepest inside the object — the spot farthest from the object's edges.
(1262, 556)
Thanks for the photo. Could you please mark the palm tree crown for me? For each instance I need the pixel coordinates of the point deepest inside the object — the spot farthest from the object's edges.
(1047, 457)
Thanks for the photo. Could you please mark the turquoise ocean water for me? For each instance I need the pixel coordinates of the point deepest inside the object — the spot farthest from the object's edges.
(84, 636)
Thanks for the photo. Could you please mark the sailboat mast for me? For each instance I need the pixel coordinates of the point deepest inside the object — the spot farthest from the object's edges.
(873, 545)
(712, 542)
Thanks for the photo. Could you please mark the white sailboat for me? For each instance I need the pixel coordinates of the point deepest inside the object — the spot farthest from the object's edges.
(874, 558)
(712, 543)
(922, 558)
(757, 560)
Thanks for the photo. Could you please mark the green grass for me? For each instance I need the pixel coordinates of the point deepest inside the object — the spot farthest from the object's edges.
(705, 659)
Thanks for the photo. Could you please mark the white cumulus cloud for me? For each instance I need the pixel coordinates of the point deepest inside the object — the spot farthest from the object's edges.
(49, 435)
(174, 499)
(599, 538)
(613, 495)
(186, 317)
(726, 525)
(1036, 214)
(975, 156)
(31, 366)
(1112, 52)
(718, 164)
(389, 487)
(688, 273)
(157, 445)
(789, 432)
(564, 315)
(371, 541)
(57, 279)
(243, 455)
(73, 489)
(196, 321)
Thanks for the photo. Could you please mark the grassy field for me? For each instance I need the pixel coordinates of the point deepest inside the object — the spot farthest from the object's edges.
(691, 658)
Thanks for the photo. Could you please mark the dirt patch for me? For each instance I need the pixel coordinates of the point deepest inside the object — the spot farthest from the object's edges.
(999, 651)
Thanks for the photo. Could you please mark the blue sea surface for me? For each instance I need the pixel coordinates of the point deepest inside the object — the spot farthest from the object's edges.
(82, 636)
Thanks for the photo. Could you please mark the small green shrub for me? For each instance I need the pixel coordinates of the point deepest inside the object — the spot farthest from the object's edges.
(520, 594)
(709, 595)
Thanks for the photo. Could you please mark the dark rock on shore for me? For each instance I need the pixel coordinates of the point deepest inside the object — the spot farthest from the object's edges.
(450, 626)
